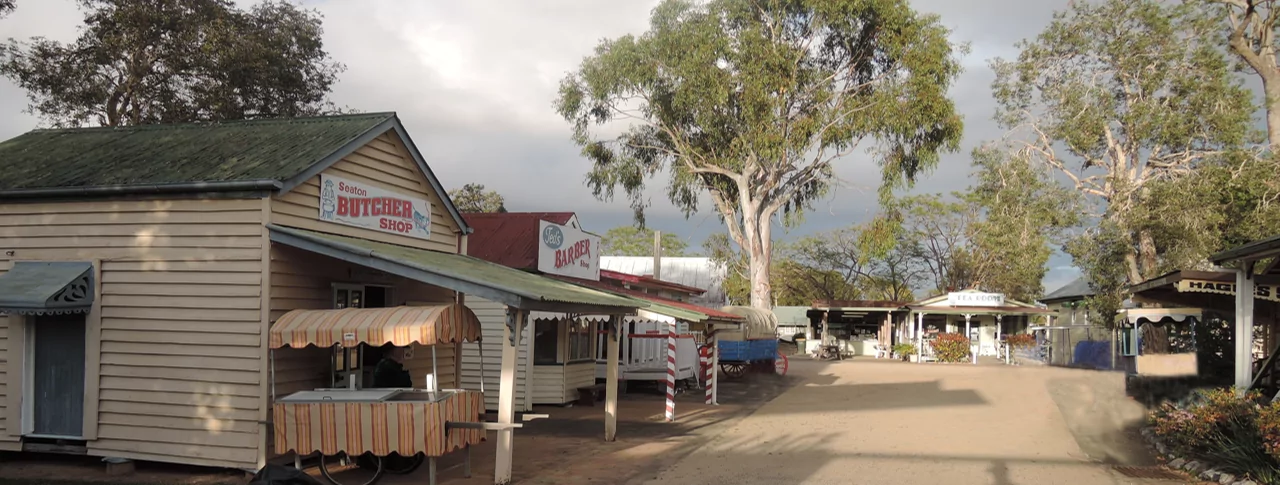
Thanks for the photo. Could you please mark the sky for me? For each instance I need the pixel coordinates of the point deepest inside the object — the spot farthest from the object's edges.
(474, 82)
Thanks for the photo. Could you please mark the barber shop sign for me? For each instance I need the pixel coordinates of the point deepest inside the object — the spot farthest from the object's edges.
(362, 205)
(568, 251)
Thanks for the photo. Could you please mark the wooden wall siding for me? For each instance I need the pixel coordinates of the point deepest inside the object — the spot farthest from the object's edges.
(4, 368)
(493, 317)
(383, 163)
(180, 320)
(577, 375)
(548, 384)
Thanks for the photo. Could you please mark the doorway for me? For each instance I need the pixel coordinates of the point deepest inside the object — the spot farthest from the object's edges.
(57, 351)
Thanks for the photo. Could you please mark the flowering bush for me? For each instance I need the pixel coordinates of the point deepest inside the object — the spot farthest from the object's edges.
(1237, 433)
(1021, 341)
(951, 347)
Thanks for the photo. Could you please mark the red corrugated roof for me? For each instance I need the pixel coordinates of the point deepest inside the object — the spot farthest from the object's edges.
(710, 312)
(650, 281)
(509, 238)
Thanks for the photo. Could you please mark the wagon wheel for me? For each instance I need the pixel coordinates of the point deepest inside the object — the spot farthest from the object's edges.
(734, 370)
(780, 364)
(365, 469)
(402, 465)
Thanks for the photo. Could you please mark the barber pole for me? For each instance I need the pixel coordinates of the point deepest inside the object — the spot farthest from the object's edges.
(671, 373)
(707, 375)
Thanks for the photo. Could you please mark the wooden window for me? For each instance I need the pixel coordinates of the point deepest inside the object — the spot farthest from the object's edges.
(580, 340)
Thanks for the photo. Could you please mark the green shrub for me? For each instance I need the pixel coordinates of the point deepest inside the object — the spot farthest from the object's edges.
(902, 350)
(1239, 434)
(951, 347)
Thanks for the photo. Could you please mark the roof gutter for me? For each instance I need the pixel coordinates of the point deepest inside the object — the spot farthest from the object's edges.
(149, 189)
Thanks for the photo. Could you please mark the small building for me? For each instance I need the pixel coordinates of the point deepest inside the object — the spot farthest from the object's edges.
(793, 320)
(985, 318)
(143, 268)
(1072, 324)
(857, 327)
(564, 354)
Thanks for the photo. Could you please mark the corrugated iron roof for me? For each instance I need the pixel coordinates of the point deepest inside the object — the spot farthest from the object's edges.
(832, 304)
(644, 280)
(466, 268)
(268, 149)
(685, 311)
(697, 272)
(509, 238)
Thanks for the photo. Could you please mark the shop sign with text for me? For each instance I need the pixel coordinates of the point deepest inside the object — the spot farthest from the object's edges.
(568, 251)
(1260, 292)
(362, 205)
(972, 298)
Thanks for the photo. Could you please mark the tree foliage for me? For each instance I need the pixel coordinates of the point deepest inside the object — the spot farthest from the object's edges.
(163, 61)
(637, 241)
(752, 102)
(1250, 27)
(6, 6)
(1120, 98)
(474, 198)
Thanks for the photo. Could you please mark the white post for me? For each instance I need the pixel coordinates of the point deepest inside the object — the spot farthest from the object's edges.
(507, 393)
(671, 371)
(611, 379)
(969, 335)
(919, 338)
(1244, 325)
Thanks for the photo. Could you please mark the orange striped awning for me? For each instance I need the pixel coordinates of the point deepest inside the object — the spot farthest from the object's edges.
(400, 326)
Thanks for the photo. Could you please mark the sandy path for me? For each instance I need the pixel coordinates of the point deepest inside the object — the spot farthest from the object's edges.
(878, 422)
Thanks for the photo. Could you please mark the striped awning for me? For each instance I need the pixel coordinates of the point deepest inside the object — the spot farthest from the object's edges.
(400, 326)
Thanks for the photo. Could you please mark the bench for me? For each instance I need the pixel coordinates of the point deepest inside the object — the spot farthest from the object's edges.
(588, 395)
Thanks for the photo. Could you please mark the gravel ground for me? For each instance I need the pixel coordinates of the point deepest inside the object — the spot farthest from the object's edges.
(882, 422)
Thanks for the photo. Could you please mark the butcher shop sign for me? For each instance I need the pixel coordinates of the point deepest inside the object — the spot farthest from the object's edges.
(568, 251)
(362, 205)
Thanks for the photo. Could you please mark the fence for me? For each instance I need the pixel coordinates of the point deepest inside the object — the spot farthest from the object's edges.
(1072, 346)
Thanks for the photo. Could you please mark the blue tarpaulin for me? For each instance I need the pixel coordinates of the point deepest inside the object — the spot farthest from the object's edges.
(1092, 354)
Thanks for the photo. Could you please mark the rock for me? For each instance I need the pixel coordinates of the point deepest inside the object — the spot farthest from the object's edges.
(1193, 466)
(1227, 479)
(1161, 448)
(1210, 475)
(1246, 482)
(1177, 463)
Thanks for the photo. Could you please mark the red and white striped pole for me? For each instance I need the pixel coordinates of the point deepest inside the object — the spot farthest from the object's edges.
(671, 373)
(707, 372)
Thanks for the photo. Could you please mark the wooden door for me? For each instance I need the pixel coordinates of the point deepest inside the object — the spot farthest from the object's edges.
(57, 378)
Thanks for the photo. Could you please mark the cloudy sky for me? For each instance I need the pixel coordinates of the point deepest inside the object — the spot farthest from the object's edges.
(474, 82)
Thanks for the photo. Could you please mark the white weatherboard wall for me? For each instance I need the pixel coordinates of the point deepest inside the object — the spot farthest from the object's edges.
(493, 318)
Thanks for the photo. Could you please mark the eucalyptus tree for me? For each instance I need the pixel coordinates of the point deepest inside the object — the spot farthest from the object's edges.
(753, 102)
(1251, 36)
(1118, 97)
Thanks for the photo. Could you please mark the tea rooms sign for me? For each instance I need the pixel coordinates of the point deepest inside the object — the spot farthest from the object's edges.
(567, 251)
(362, 205)
(974, 298)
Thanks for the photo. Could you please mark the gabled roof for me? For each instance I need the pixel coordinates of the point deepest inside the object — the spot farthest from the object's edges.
(1011, 306)
(1077, 289)
(267, 155)
(509, 238)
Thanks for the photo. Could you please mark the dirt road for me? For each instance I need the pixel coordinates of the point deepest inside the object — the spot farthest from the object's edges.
(880, 422)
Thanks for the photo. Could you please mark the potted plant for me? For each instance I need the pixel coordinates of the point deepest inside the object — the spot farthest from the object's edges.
(904, 350)
(800, 340)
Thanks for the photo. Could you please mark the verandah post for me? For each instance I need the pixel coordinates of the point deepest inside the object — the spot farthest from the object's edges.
(611, 378)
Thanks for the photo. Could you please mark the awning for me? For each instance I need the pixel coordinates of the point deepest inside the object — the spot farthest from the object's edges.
(47, 288)
(663, 306)
(1156, 314)
(980, 310)
(465, 274)
(400, 326)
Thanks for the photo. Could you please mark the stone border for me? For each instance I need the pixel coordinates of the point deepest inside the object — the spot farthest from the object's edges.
(1192, 467)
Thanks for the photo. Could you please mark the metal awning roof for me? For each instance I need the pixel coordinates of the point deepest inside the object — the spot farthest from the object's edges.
(47, 288)
(399, 326)
(472, 276)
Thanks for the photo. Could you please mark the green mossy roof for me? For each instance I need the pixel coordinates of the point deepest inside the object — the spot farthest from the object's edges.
(272, 149)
